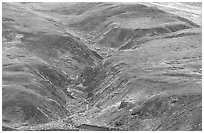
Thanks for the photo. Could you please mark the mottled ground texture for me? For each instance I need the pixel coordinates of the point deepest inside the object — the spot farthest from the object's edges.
(101, 66)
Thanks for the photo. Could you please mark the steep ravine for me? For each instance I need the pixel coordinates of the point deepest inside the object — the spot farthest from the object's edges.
(54, 80)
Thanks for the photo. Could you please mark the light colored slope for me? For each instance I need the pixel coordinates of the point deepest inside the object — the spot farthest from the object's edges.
(193, 13)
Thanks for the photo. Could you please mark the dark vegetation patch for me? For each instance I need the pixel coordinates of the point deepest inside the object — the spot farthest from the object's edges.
(49, 45)
(127, 38)
(53, 76)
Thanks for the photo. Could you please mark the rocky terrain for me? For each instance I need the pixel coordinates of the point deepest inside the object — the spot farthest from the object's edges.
(102, 66)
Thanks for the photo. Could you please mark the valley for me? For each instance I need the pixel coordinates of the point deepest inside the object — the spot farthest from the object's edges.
(101, 66)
